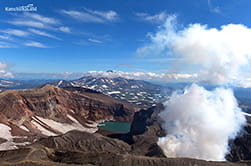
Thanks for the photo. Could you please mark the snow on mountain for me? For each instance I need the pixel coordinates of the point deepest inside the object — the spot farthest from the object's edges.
(134, 91)
(5, 84)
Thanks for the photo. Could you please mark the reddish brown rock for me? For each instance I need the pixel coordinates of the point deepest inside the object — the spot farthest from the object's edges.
(24, 110)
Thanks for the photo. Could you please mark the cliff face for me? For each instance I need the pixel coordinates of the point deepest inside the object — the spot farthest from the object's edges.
(241, 146)
(48, 110)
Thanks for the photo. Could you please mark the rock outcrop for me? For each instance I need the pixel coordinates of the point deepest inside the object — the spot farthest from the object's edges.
(45, 111)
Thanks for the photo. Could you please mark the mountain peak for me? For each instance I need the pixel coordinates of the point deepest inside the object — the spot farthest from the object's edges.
(110, 71)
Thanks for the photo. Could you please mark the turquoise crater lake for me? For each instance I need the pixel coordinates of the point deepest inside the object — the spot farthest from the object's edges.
(119, 127)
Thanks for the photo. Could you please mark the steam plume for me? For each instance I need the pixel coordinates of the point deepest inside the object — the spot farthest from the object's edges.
(199, 123)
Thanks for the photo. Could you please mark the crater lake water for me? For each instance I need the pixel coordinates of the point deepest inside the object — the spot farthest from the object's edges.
(119, 127)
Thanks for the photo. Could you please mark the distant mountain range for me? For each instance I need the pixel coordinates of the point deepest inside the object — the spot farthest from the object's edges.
(149, 76)
(22, 84)
(133, 91)
(5, 84)
(125, 86)
(110, 83)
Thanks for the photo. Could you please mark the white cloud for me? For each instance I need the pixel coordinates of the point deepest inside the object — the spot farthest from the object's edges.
(35, 20)
(5, 37)
(47, 20)
(92, 15)
(37, 25)
(64, 29)
(15, 32)
(109, 15)
(82, 16)
(35, 44)
(3, 70)
(39, 21)
(28, 23)
(157, 18)
(164, 77)
(5, 45)
(215, 54)
(95, 41)
(214, 9)
(42, 33)
(150, 76)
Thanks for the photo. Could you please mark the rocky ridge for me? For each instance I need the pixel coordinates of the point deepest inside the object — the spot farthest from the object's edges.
(26, 115)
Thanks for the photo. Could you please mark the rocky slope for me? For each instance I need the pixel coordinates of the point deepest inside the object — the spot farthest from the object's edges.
(26, 115)
(81, 148)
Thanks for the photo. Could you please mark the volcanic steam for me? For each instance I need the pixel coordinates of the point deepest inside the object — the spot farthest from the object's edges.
(198, 122)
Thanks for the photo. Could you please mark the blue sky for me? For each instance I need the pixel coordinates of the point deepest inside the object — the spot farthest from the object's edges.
(83, 35)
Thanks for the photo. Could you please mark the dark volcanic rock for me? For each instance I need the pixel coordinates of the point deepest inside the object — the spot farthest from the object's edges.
(241, 147)
(2, 140)
(85, 142)
(144, 134)
(77, 148)
(111, 159)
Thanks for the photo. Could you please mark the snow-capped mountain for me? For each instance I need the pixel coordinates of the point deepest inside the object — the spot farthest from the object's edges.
(134, 91)
(5, 84)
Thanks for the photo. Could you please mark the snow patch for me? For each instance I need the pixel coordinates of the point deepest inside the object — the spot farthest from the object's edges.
(104, 86)
(42, 129)
(72, 119)
(65, 127)
(92, 87)
(6, 134)
(5, 131)
(113, 92)
(24, 128)
(247, 114)
(72, 84)
(59, 83)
